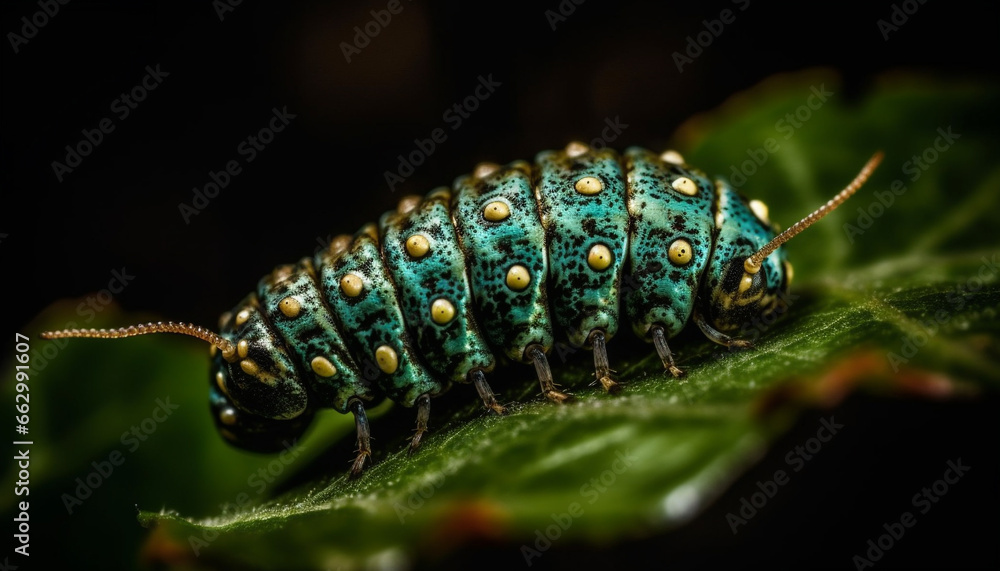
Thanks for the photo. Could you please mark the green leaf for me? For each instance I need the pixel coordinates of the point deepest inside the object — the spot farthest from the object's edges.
(905, 304)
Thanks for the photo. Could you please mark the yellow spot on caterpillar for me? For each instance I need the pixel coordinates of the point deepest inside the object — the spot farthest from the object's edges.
(323, 367)
(442, 311)
(220, 381)
(417, 245)
(575, 149)
(282, 273)
(249, 367)
(442, 192)
(518, 277)
(227, 416)
(387, 359)
(484, 170)
(673, 157)
(242, 347)
(242, 317)
(789, 271)
(599, 257)
(746, 282)
(408, 203)
(496, 211)
(589, 185)
(351, 285)
(290, 307)
(340, 244)
(680, 252)
(760, 211)
(684, 185)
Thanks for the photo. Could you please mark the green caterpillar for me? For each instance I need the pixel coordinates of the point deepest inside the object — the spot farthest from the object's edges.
(502, 262)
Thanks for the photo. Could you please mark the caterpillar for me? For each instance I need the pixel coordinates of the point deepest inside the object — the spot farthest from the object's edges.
(500, 263)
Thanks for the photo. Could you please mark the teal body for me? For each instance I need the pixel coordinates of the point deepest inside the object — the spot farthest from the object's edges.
(512, 320)
(511, 257)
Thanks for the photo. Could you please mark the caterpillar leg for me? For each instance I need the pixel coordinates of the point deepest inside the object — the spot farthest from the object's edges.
(545, 375)
(660, 342)
(423, 414)
(602, 369)
(718, 336)
(364, 436)
(485, 392)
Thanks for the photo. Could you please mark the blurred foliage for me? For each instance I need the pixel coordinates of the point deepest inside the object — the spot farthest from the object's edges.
(857, 311)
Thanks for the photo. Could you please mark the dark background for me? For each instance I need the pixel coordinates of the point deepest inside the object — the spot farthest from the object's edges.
(324, 175)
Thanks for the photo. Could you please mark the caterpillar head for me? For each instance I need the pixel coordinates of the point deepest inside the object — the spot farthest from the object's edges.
(747, 276)
(243, 428)
(256, 399)
(733, 297)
